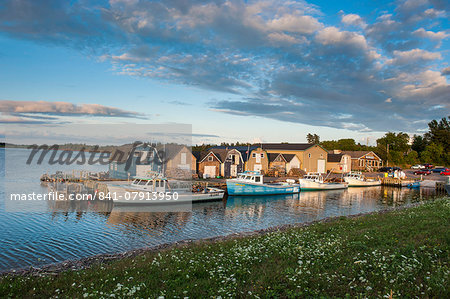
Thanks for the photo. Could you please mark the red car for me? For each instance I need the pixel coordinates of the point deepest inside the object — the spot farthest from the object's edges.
(445, 172)
(422, 171)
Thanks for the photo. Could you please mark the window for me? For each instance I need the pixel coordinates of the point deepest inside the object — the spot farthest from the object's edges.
(262, 155)
(157, 184)
(309, 155)
(321, 155)
(254, 155)
(257, 179)
(183, 158)
(210, 158)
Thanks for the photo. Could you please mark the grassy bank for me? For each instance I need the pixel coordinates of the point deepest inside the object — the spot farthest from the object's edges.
(405, 251)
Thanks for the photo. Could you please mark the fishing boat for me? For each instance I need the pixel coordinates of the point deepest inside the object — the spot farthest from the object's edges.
(414, 185)
(357, 179)
(159, 190)
(315, 181)
(252, 183)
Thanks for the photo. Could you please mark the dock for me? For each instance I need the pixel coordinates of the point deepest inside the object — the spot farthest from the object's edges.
(396, 182)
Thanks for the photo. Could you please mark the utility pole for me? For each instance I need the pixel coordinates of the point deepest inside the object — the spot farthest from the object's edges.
(387, 156)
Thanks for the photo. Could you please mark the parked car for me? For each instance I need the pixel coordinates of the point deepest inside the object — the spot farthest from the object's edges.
(439, 169)
(396, 168)
(417, 166)
(422, 172)
(428, 166)
(447, 172)
(385, 169)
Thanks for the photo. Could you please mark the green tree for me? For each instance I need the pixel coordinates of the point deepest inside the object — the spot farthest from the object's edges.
(434, 153)
(412, 158)
(419, 144)
(313, 138)
(439, 133)
(392, 147)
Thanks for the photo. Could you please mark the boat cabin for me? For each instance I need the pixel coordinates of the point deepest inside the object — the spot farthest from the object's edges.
(313, 176)
(251, 177)
(150, 184)
(354, 174)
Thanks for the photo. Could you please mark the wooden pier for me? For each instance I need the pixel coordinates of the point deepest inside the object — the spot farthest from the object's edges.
(440, 187)
(396, 182)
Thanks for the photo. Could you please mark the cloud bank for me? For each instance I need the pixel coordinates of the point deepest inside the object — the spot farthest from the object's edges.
(281, 59)
(40, 112)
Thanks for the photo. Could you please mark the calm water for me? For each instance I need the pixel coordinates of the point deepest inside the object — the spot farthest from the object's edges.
(66, 231)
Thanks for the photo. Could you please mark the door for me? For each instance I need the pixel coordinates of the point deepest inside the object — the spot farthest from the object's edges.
(233, 170)
(257, 167)
(210, 171)
(321, 166)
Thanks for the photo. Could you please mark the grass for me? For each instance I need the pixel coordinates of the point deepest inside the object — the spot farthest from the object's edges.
(403, 252)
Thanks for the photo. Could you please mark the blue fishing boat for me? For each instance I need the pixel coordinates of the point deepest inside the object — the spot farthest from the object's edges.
(414, 185)
(252, 183)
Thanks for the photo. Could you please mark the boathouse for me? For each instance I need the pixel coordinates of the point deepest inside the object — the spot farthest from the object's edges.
(225, 161)
(281, 164)
(125, 163)
(178, 160)
(309, 157)
(364, 160)
(338, 162)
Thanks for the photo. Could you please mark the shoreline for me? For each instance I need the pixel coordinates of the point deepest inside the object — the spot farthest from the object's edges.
(105, 258)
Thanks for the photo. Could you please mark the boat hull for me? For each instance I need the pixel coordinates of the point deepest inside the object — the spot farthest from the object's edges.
(361, 183)
(307, 185)
(119, 196)
(248, 188)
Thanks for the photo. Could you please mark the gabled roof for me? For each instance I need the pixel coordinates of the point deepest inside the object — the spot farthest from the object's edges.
(286, 146)
(244, 150)
(197, 154)
(121, 153)
(334, 157)
(273, 156)
(170, 151)
(215, 153)
(358, 154)
(286, 157)
(289, 157)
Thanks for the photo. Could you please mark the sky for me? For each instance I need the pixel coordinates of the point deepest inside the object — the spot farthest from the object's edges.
(247, 71)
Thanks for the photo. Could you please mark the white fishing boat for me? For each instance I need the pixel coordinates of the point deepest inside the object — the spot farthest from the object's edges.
(357, 179)
(315, 181)
(159, 190)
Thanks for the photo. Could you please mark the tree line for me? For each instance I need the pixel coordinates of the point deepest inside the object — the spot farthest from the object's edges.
(399, 148)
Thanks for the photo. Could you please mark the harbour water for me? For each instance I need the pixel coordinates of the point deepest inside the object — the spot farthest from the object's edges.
(75, 230)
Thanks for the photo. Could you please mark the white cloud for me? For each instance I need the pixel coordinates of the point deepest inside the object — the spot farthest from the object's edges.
(353, 19)
(294, 23)
(433, 13)
(436, 36)
(404, 57)
(332, 35)
(423, 84)
(63, 108)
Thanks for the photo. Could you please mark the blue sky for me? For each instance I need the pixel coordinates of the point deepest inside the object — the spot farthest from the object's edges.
(236, 70)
